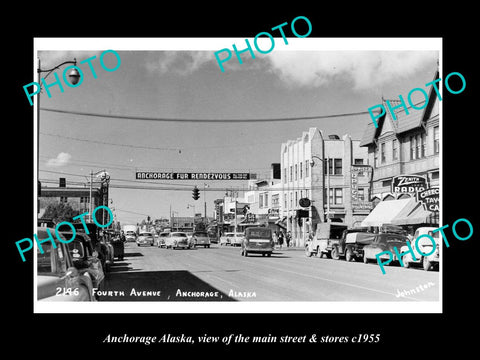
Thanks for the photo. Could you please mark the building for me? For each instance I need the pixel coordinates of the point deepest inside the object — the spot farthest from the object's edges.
(78, 197)
(405, 158)
(321, 171)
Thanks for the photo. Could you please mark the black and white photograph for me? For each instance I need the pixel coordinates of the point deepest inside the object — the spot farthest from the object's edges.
(213, 183)
(293, 181)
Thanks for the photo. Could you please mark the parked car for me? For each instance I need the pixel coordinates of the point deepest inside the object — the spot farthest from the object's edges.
(177, 240)
(145, 238)
(200, 238)
(257, 240)
(326, 240)
(57, 277)
(383, 242)
(85, 257)
(161, 239)
(425, 245)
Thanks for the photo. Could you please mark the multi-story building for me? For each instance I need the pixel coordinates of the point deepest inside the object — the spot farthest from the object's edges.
(77, 197)
(405, 155)
(323, 170)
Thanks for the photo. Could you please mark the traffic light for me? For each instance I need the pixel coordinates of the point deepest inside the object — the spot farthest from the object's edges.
(195, 193)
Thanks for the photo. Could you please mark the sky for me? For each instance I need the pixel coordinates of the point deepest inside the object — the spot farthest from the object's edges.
(159, 80)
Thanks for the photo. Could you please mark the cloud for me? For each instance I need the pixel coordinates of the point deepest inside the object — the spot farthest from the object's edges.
(62, 159)
(180, 62)
(363, 69)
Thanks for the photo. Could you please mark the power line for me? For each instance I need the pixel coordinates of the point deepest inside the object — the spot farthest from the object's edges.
(186, 120)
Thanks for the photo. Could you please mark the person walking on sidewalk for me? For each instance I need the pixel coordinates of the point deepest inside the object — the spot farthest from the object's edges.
(280, 238)
(288, 238)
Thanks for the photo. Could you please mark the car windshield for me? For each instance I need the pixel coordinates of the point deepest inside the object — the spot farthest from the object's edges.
(200, 234)
(259, 233)
(130, 233)
(163, 234)
(230, 235)
(146, 234)
(179, 235)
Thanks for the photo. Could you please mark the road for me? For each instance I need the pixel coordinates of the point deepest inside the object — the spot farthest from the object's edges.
(220, 273)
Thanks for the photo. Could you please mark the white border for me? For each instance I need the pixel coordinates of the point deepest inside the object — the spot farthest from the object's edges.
(215, 44)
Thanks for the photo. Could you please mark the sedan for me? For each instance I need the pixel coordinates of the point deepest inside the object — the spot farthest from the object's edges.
(384, 242)
(145, 238)
(57, 277)
(201, 238)
(177, 240)
(161, 239)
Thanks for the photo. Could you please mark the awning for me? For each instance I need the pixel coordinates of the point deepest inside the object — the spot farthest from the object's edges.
(415, 215)
(386, 211)
(281, 223)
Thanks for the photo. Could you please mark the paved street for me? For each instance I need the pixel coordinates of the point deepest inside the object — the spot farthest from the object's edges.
(220, 273)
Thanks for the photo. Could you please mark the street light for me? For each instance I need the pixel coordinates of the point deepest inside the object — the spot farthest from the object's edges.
(74, 77)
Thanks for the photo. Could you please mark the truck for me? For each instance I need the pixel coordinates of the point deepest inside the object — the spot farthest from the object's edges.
(326, 240)
(335, 240)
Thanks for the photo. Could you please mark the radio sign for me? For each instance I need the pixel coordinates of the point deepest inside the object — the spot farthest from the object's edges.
(409, 183)
(429, 198)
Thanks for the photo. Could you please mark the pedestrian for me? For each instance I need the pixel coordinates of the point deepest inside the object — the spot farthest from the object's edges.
(288, 238)
(275, 237)
(280, 239)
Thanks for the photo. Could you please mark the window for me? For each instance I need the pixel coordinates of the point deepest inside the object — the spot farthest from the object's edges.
(336, 196)
(436, 140)
(285, 200)
(361, 194)
(291, 200)
(296, 198)
(334, 167)
(265, 199)
(260, 201)
(284, 175)
(412, 147)
(275, 201)
(417, 148)
(307, 164)
(291, 173)
(423, 144)
(375, 157)
(382, 152)
(395, 149)
(358, 161)
(301, 170)
(296, 172)
(63, 199)
(338, 167)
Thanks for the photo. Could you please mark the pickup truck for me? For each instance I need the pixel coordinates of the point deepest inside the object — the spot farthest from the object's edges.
(326, 240)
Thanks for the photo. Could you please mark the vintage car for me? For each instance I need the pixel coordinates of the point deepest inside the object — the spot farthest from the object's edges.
(57, 277)
(130, 236)
(161, 239)
(351, 246)
(258, 240)
(384, 242)
(326, 240)
(176, 240)
(200, 238)
(85, 257)
(232, 238)
(145, 238)
(426, 246)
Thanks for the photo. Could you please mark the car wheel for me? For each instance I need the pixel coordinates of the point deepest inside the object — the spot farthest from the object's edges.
(319, 254)
(263, 255)
(308, 252)
(246, 253)
(406, 263)
(334, 253)
(427, 265)
(365, 259)
(349, 255)
(269, 254)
